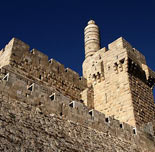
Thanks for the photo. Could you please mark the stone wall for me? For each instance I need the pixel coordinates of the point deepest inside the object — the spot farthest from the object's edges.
(142, 97)
(41, 107)
(122, 83)
(30, 120)
(34, 64)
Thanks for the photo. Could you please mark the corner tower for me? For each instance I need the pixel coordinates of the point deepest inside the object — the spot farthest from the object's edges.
(119, 81)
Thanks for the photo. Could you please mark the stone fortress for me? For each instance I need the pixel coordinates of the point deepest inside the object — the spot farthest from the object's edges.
(47, 107)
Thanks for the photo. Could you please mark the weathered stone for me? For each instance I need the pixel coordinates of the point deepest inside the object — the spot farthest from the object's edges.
(47, 107)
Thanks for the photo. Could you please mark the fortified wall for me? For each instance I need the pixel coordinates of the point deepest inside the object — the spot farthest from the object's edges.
(45, 107)
(35, 65)
(119, 78)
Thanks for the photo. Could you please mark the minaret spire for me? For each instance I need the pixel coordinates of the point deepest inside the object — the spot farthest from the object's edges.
(92, 38)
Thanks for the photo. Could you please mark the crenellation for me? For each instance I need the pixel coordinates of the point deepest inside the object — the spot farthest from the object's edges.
(77, 113)
(122, 69)
(120, 43)
(35, 64)
(112, 102)
(56, 67)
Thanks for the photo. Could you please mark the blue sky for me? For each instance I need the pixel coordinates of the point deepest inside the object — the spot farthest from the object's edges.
(56, 27)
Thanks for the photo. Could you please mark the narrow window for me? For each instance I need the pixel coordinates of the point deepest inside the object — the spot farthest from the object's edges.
(61, 114)
(116, 65)
(122, 61)
(40, 77)
(72, 104)
(31, 87)
(121, 126)
(94, 76)
(6, 77)
(52, 97)
(91, 112)
(107, 120)
(134, 131)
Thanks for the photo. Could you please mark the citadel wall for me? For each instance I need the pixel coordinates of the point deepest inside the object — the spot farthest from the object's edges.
(46, 107)
(122, 82)
(35, 64)
(33, 121)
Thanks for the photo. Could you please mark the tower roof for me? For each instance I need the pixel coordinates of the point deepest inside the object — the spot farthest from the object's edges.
(91, 22)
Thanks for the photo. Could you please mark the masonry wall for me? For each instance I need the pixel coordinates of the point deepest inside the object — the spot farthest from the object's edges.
(142, 94)
(112, 95)
(34, 64)
(41, 107)
(122, 83)
(31, 121)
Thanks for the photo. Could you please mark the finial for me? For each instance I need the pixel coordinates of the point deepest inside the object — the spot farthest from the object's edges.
(91, 22)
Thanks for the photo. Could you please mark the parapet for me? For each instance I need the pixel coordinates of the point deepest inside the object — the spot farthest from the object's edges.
(119, 43)
(133, 53)
(34, 64)
(49, 101)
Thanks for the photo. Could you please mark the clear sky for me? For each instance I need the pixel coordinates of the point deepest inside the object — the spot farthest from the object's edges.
(56, 27)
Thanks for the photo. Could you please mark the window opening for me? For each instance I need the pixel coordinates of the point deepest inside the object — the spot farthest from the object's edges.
(122, 61)
(31, 87)
(6, 77)
(61, 114)
(91, 112)
(72, 104)
(107, 120)
(52, 97)
(40, 77)
(121, 125)
(134, 131)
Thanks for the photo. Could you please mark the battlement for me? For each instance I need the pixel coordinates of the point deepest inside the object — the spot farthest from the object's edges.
(119, 43)
(35, 64)
(113, 101)
(123, 68)
(49, 101)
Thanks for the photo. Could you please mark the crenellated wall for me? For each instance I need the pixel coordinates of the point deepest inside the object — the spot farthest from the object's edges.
(34, 64)
(31, 108)
(113, 103)
(122, 83)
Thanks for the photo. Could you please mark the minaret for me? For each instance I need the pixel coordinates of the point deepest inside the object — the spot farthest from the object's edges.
(92, 45)
(92, 38)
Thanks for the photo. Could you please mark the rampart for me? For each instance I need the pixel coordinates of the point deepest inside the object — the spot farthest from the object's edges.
(34, 64)
(122, 83)
(41, 107)
(17, 90)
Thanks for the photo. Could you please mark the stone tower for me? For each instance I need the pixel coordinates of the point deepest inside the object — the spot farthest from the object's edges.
(119, 82)
(92, 39)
